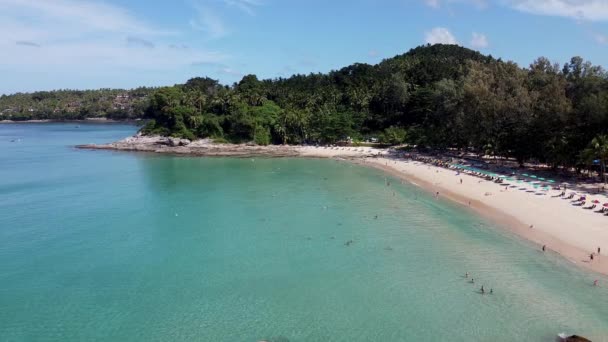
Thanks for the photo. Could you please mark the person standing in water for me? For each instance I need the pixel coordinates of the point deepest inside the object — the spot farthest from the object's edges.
(544, 247)
(482, 290)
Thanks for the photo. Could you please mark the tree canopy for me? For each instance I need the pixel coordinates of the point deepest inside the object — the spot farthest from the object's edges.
(438, 97)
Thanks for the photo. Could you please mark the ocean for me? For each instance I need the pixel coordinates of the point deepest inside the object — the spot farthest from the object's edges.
(119, 246)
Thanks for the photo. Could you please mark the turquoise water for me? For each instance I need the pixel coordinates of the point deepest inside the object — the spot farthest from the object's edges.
(109, 246)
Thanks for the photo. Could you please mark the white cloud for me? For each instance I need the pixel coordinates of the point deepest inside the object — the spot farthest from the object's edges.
(247, 6)
(594, 10)
(440, 35)
(441, 3)
(601, 38)
(230, 72)
(77, 38)
(433, 3)
(207, 21)
(479, 41)
(81, 15)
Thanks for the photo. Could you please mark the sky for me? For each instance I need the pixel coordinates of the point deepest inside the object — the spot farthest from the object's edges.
(91, 44)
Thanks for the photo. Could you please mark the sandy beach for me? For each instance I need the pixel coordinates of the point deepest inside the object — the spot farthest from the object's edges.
(569, 230)
(565, 229)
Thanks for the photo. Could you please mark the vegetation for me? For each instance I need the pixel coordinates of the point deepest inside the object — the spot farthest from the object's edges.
(114, 104)
(439, 97)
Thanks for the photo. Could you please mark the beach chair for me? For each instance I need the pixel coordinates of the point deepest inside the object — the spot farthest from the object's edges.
(590, 207)
(571, 196)
(578, 204)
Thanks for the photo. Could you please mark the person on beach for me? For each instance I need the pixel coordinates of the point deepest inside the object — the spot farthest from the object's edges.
(460, 180)
(598, 251)
(544, 247)
(591, 256)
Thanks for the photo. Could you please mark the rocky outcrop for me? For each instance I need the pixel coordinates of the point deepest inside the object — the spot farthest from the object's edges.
(204, 147)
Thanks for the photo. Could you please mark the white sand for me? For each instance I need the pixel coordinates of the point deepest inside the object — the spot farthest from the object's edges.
(569, 230)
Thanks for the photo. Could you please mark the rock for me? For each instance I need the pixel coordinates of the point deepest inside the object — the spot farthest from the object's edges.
(174, 142)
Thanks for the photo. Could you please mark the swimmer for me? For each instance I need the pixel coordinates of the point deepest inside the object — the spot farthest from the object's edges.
(544, 246)
(472, 281)
(466, 275)
(491, 291)
(595, 282)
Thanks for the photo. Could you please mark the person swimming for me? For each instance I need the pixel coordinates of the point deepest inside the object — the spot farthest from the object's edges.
(466, 275)
(472, 281)
(491, 291)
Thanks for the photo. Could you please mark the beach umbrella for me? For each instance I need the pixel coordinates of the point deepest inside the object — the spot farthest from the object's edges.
(540, 178)
(606, 205)
(533, 176)
(595, 201)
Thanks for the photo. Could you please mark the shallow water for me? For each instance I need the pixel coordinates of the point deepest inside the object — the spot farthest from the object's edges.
(99, 245)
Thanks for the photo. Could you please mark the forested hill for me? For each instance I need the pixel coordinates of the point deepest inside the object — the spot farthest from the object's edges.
(441, 96)
(115, 104)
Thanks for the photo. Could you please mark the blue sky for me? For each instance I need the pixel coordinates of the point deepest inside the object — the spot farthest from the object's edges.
(52, 44)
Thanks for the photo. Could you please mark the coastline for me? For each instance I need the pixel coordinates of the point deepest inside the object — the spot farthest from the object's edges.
(83, 121)
(569, 231)
(576, 253)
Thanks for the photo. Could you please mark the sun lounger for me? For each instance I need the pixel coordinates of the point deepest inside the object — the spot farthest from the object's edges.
(591, 207)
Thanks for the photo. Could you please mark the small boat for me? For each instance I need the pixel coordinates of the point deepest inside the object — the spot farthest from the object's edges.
(572, 338)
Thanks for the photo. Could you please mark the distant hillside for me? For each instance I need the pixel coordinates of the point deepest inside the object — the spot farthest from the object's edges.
(439, 96)
(115, 104)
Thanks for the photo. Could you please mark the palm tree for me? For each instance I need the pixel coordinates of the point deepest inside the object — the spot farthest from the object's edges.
(598, 148)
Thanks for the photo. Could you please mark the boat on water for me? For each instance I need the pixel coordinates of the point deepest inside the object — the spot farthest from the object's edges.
(572, 338)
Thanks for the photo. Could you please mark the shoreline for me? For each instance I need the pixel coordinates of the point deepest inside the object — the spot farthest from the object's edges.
(570, 252)
(569, 231)
(83, 121)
